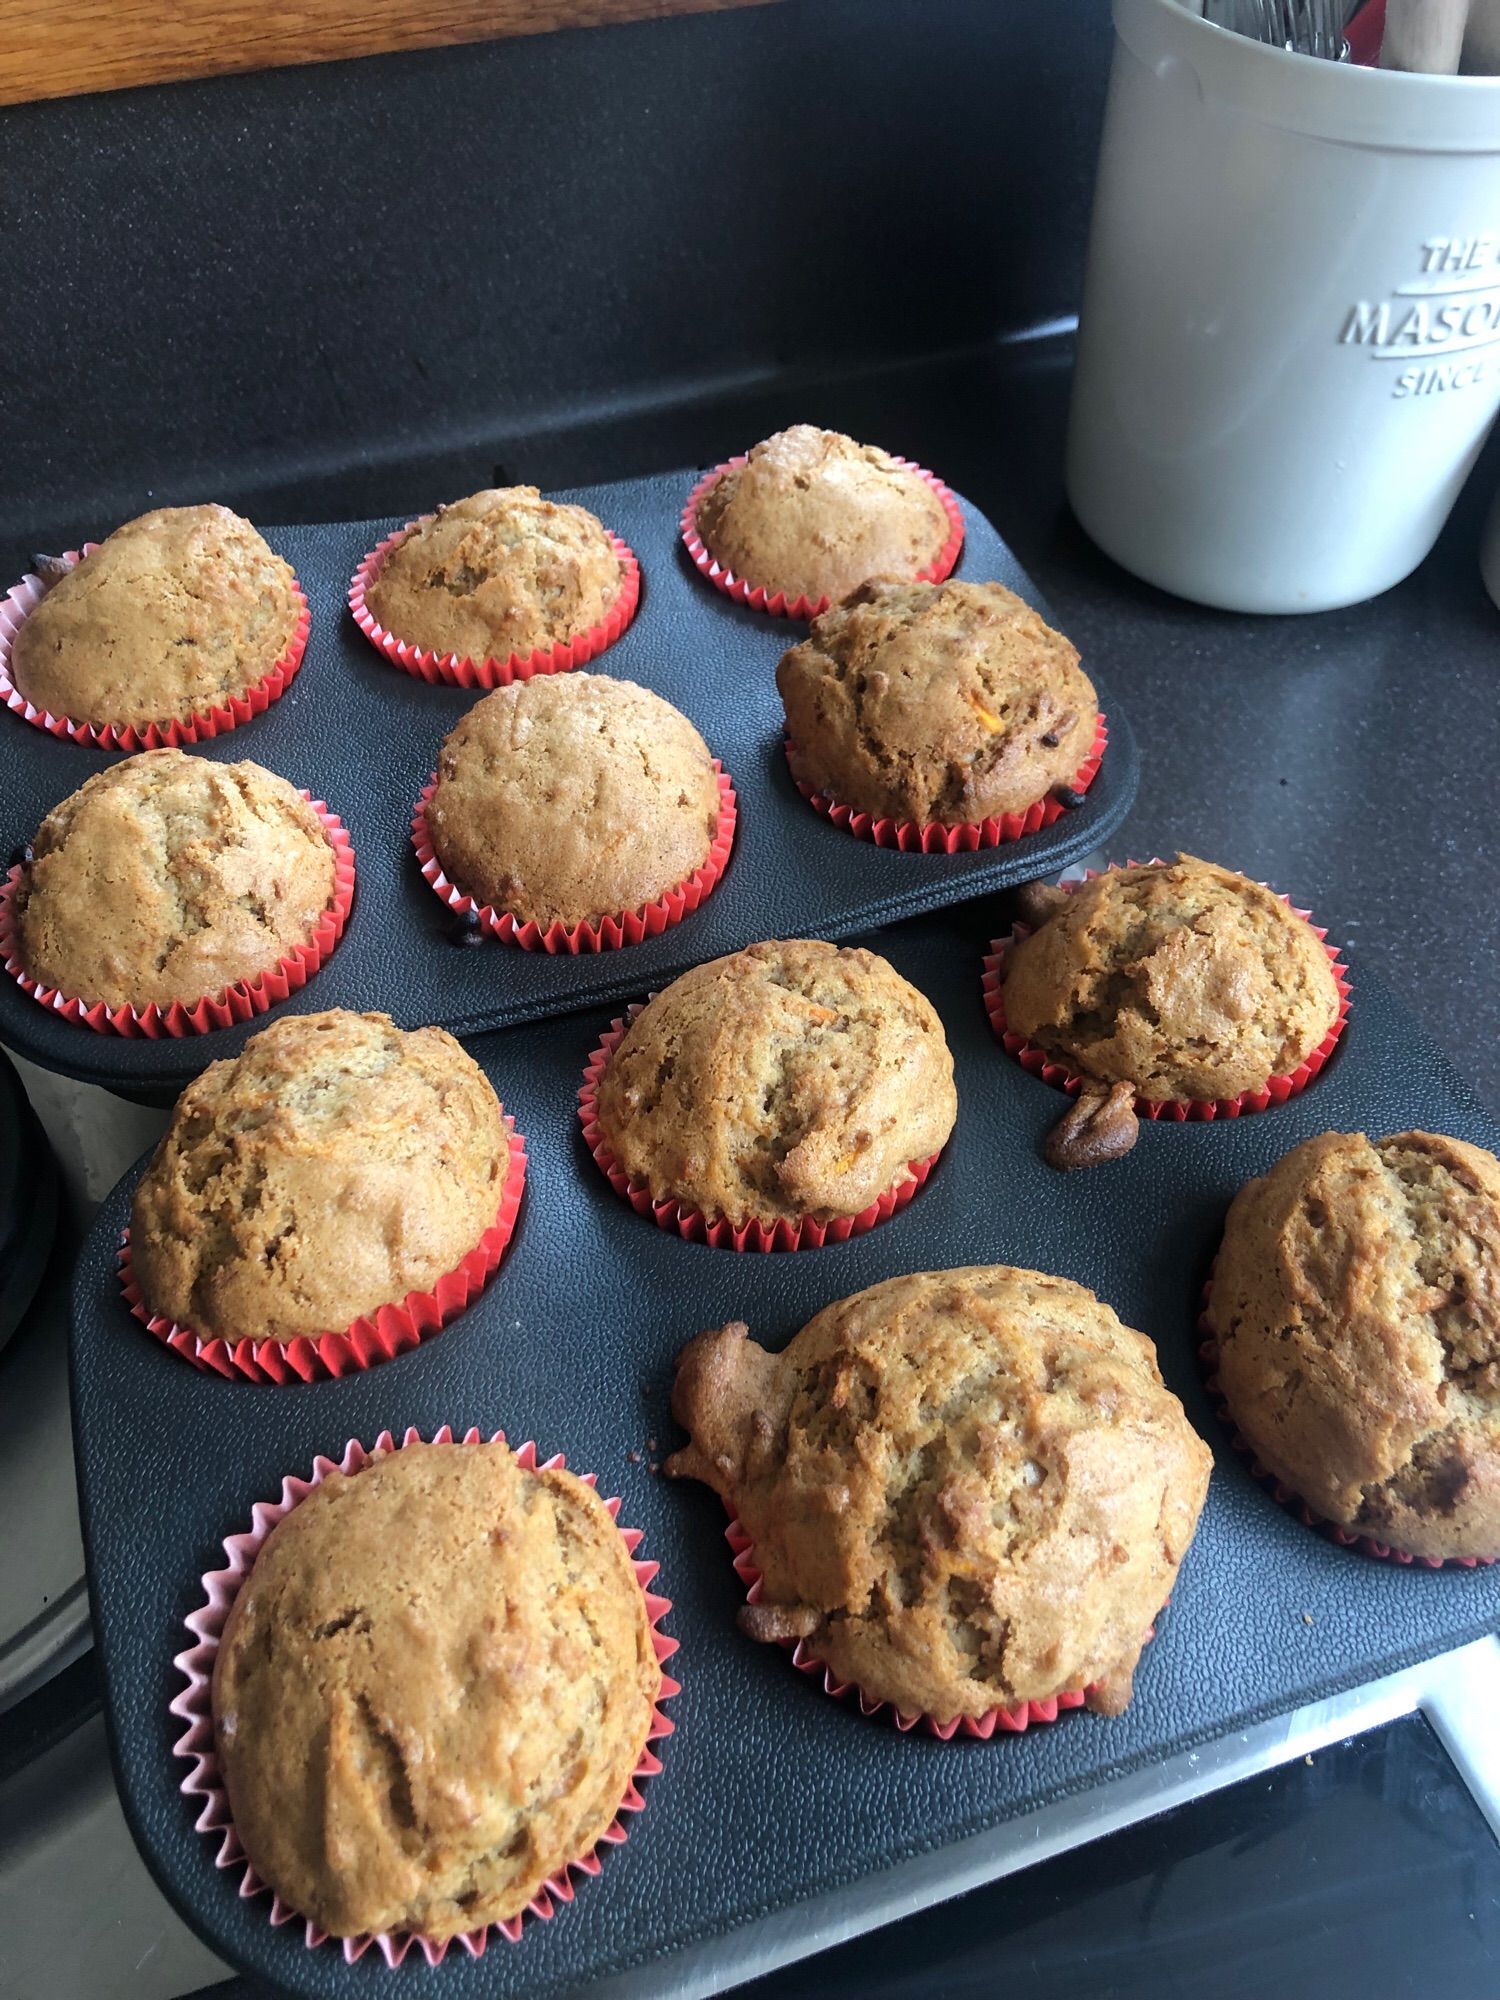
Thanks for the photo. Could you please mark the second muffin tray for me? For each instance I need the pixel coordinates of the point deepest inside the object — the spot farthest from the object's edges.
(771, 1795)
(359, 733)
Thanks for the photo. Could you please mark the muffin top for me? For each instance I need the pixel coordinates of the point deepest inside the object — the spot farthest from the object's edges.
(417, 1744)
(1356, 1304)
(171, 615)
(790, 1080)
(946, 701)
(168, 877)
(572, 797)
(815, 515)
(335, 1164)
(966, 1489)
(501, 572)
(1182, 978)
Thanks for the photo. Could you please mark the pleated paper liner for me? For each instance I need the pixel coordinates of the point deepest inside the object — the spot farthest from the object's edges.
(626, 927)
(458, 670)
(1276, 1089)
(1346, 1538)
(232, 1005)
(204, 1781)
(947, 836)
(366, 1341)
(173, 732)
(690, 1223)
(777, 602)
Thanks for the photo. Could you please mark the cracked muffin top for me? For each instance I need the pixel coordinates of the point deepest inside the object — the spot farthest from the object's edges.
(1185, 979)
(572, 797)
(501, 572)
(965, 1489)
(813, 514)
(335, 1164)
(418, 1744)
(171, 615)
(168, 877)
(1356, 1306)
(948, 702)
(790, 1080)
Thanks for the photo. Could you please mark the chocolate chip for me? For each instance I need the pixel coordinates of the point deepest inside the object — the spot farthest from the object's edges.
(466, 929)
(1034, 902)
(1096, 1127)
(51, 569)
(1067, 797)
(772, 1622)
(1051, 740)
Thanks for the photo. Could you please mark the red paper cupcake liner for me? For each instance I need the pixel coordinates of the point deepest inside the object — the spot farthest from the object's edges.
(458, 670)
(1276, 1090)
(194, 1706)
(373, 1337)
(690, 1223)
(777, 602)
(228, 1008)
(172, 734)
(1346, 1538)
(948, 836)
(601, 934)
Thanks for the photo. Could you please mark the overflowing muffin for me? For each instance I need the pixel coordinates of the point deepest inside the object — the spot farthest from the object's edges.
(811, 514)
(571, 797)
(1356, 1308)
(792, 1080)
(501, 572)
(950, 702)
(172, 615)
(965, 1489)
(417, 1744)
(334, 1165)
(168, 877)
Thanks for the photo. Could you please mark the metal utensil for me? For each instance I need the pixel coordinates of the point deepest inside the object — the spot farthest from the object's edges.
(1304, 27)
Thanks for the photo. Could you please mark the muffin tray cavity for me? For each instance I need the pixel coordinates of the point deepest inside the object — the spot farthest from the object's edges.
(772, 1796)
(363, 735)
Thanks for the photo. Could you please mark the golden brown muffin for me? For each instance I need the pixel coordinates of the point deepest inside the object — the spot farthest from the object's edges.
(331, 1167)
(168, 877)
(965, 1489)
(432, 1690)
(792, 1080)
(501, 572)
(1356, 1306)
(171, 615)
(947, 701)
(814, 514)
(572, 797)
(1182, 978)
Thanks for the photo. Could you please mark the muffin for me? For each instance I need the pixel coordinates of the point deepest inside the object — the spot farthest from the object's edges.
(168, 877)
(951, 702)
(334, 1165)
(501, 572)
(1180, 978)
(170, 616)
(417, 1744)
(791, 1080)
(1356, 1307)
(811, 514)
(572, 797)
(965, 1489)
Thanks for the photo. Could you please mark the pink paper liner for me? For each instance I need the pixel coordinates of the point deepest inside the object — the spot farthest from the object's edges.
(373, 1337)
(690, 1223)
(1276, 1090)
(458, 670)
(231, 1006)
(1367, 1545)
(606, 933)
(174, 732)
(777, 602)
(954, 837)
(194, 1706)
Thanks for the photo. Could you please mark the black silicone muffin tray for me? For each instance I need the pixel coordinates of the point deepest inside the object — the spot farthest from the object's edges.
(772, 1794)
(361, 734)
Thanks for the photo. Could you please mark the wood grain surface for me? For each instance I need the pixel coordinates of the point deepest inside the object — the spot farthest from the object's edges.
(60, 48)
